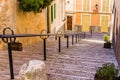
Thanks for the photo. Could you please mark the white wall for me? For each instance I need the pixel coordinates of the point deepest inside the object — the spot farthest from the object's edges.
(70, 5)
(60, 16)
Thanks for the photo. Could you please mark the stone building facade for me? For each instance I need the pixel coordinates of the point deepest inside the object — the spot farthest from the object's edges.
(57, 17)
(87, 14)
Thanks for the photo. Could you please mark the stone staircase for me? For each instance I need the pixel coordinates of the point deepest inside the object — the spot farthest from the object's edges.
(78, 62)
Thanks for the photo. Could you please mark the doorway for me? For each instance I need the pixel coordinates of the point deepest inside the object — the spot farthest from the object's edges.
(69, 22)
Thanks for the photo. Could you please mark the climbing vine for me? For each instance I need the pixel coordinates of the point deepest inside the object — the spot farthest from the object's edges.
(33, 5)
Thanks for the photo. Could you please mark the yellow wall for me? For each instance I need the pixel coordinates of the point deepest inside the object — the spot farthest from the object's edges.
(23, 22)
(30, 23)
(95, 17)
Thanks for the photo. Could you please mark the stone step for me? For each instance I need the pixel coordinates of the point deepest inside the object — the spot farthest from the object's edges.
(54, 76)
(75, 62)
(71, 72)
(73, 68)
(105, 58)
(92, 60)
(80, 70)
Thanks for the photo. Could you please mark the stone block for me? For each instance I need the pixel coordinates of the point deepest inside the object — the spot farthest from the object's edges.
(34, 70)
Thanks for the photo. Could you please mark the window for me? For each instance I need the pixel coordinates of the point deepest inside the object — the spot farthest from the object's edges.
(86, 5)
(105, 5)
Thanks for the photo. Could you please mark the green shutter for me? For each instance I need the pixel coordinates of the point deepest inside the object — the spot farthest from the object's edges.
(51, 14)
(54, 11)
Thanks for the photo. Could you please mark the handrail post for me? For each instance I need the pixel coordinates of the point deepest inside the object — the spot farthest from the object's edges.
(67, 41)
(44, 37)
(80, 36)
(59, 43)
(72, 39)
(44, 44)
(84, 35)
(59, 34)
(76, 38)
(9, 42)
(10, 61)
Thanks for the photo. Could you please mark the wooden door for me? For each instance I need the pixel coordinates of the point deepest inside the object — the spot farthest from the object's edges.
(69, 22)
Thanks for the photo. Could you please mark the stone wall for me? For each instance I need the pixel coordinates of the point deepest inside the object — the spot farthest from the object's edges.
(116, 31)
(21, 22)
(4, 21)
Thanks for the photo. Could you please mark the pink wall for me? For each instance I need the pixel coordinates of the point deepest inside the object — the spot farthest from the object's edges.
(116, 31)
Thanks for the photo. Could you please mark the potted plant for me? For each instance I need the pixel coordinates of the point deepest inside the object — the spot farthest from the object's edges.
(107, 43)
(107, 72)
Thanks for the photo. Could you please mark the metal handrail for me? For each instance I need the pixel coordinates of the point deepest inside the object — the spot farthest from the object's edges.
(10, 38)
(34, 35)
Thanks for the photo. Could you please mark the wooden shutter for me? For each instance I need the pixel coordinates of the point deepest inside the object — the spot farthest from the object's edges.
(104, 23)
(105, 6)
(86, 5)
(85, 23)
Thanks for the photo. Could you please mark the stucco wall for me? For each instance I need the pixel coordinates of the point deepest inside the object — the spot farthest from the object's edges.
(30, 23)
(116, 31)
(21, 22)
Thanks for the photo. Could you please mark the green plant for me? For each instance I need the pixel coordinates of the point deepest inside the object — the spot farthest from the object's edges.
(107, 72)
(106, 38)
(33, 5)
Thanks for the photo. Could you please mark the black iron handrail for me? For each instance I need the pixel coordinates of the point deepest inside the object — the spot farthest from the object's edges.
(10, 38)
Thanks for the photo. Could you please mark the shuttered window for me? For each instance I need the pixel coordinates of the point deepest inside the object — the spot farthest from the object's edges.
(86, 5)
(105, 6)
(85, 23)
(104, 23)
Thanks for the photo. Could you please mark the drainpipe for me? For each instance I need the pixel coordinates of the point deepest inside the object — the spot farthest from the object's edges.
(48, 23)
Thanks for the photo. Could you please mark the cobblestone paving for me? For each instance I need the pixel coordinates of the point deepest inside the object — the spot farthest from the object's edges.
(78, 62)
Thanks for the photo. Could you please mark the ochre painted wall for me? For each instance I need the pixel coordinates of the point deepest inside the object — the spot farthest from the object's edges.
(21, 22)
(78, 18)
(78, 4)
(30, 23)
(95, 20)
(95, 17)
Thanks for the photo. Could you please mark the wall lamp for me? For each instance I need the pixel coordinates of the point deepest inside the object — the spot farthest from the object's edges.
(96, 6)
